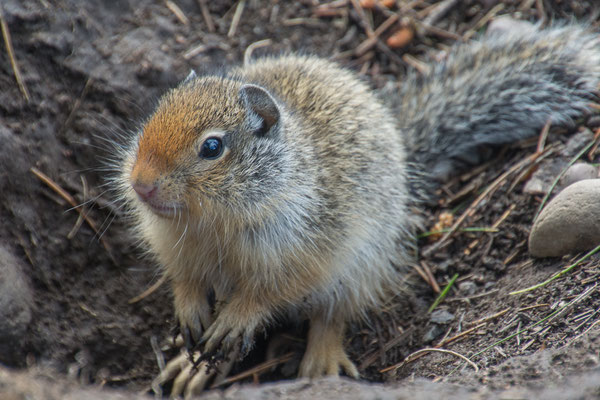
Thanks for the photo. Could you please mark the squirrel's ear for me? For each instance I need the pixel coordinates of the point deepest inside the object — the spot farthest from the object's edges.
(191, 76)
(263, 105)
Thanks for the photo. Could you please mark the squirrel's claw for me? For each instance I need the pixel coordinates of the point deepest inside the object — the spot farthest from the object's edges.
(227, 334)
(191, 374)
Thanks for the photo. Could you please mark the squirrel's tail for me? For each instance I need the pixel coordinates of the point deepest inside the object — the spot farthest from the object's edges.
(497, 90)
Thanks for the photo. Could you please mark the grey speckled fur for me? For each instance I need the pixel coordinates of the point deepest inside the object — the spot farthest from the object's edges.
(497, 90)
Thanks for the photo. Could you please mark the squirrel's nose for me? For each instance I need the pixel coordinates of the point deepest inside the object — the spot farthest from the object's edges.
(145, 191)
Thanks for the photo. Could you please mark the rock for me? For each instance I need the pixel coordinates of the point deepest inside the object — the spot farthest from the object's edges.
(578, 172)
(569, 223)
(467, 288)
(441, 317)
(16, 301)
(542, 179)
(432, 333)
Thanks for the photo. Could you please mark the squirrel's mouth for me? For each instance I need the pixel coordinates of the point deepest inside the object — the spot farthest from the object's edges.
(165, 210)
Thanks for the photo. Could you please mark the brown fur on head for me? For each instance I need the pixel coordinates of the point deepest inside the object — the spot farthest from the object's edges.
(170, 146)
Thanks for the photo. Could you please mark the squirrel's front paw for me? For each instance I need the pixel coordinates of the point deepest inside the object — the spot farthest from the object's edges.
(191, 376)
(226, 332)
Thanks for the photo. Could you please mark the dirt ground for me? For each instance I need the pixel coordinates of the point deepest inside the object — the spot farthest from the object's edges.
(93, 70)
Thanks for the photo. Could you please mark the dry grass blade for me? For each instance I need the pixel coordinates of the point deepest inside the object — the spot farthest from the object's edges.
(484, 20)
(439, 11)
(148, 291)
(210, 25)
(419, 353)
(63, 193)
(80, 218)
(11, 56)
(259, 369)
(237, 16)
(543, 136)
(363, 18)
(179, 14)
(372, 40)
(256, 45)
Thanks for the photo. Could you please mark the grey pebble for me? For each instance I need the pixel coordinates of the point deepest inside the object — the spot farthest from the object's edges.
(441, 317)
(569, 223)
(578, 172)
(467, 288)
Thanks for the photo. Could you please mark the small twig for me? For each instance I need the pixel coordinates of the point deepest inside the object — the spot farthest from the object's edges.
(595, 146)
(148, 291)
(11, 56)
(460, 335)
(543, 136)
(62, 193)
(179, 14)
(540, 8)
(490, 317)
(532, 307)
(260, 368)
(256, 45)
(420, 66)
(417, 354)
(431, 279)
(80, 218)
(484, 20)
(439, 11)
(206, 15)
(438, 31)
(77, 105)
(372, 40)
(237, 16)
(363, 18)
(475, 296)
(370, 359)
(421, 272)
(469, 229)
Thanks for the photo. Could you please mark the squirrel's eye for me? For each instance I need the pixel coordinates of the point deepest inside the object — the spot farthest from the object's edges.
(211, 148)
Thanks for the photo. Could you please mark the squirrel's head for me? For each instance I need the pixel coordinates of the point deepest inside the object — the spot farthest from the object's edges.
(213, 144)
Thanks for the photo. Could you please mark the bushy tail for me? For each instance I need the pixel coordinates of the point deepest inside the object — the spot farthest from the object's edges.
(500, 89)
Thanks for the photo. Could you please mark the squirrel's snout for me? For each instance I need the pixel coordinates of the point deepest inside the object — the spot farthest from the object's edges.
(144, 191)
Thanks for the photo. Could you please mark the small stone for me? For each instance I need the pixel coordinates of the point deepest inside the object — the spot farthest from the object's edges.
(541, 181)
(468, 288)
(433, 332)
(578, 172)
(569, 223)
(441, 317)
(577, 142)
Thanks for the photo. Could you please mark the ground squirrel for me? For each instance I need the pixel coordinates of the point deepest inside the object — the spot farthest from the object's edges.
(285, 186)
